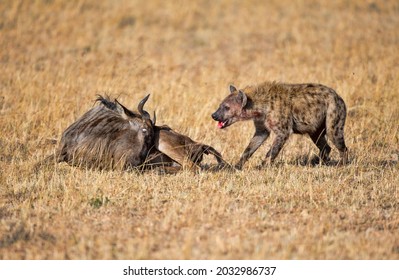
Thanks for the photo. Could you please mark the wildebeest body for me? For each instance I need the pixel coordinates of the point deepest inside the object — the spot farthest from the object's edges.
(110, 135)
(107, 136)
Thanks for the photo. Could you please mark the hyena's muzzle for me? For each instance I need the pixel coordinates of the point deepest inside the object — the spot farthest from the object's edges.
(222, 117)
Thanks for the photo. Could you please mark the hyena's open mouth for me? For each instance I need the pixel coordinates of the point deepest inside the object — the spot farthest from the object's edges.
(223, 124)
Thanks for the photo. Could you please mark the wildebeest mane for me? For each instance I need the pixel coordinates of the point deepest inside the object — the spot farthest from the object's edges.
(108, 135)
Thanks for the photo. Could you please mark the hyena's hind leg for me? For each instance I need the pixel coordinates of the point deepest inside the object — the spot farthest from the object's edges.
(320, 140)
(335, 128)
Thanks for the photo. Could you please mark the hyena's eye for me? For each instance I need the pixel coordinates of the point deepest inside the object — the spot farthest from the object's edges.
(226, 108)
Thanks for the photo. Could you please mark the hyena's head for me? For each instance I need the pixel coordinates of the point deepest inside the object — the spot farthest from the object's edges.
(231, 108)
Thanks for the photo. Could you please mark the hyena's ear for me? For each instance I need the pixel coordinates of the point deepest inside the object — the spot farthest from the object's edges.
(232, 89)
(242, 97)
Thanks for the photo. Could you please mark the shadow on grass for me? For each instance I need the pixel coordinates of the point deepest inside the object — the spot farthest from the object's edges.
(306, 160)
(17, 232)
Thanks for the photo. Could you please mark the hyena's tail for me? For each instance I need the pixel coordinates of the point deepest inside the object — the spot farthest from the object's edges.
(335, 123)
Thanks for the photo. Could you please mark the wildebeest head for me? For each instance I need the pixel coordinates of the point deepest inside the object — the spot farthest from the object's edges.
(108, 136)
(230, 110)
(125, 112)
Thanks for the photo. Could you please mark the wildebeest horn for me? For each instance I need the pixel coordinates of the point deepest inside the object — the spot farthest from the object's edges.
(143, 113)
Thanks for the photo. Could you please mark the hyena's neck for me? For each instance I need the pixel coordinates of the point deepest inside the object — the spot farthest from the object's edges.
(250, 111)
(250, 114)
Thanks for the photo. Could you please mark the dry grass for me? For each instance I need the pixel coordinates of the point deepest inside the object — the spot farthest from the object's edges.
(55, 56)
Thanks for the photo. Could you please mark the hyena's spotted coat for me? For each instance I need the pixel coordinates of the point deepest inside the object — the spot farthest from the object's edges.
(311, 109)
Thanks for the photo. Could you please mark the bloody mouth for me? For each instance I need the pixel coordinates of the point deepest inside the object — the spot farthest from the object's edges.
(221, 124)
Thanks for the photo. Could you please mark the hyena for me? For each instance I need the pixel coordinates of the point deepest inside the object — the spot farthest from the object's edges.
(312, 109)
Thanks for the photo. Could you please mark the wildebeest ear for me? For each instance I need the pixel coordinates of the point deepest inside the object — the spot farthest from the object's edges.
(232, 89)
(242, 97)
(122, 110)
(154, 119)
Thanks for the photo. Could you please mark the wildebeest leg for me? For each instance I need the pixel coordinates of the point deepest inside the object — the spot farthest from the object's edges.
(161, 162)
(319, 138)
(181, 155)
(155, 159)
(276, 147)
(257, 140)
(208, 150)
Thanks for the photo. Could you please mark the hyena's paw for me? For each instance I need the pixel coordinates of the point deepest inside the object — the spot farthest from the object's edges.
(265, 163)
(344, 158)
(316, 160)
(343, 162)
(238, 167)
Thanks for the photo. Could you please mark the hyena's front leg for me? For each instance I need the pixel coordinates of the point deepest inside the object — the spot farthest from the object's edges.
(258, 139)
(276, 147)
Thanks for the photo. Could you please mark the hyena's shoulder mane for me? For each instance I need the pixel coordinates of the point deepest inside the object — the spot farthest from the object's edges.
(264, 90)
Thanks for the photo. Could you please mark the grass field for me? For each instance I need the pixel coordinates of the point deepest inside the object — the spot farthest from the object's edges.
(55, 56)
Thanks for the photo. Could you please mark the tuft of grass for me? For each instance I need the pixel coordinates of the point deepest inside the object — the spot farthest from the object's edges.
(98, 202)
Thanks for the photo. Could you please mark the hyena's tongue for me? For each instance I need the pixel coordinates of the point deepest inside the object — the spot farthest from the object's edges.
(220, 124)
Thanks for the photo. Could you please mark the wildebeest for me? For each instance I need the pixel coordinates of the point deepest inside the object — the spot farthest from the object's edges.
(311, 109)
(110, 135)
